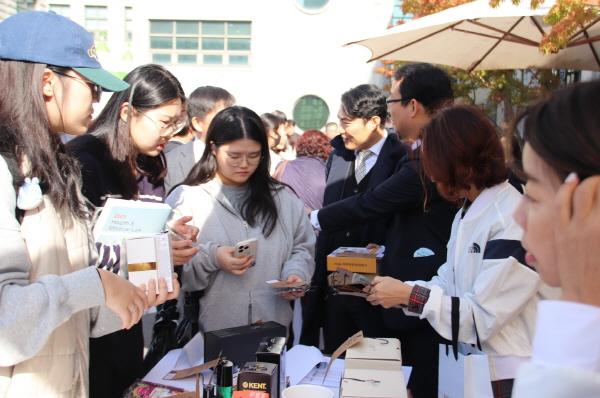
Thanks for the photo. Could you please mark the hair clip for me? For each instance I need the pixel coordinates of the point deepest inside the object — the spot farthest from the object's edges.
(30, 194)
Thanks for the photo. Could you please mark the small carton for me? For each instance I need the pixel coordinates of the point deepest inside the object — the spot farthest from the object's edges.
(355, 259)
(258, 376)
(148, 258)
(373, 369)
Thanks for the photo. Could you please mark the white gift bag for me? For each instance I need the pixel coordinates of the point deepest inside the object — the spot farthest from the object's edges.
(468, 376)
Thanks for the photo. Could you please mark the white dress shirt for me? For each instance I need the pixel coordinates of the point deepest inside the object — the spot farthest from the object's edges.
(369, 163)
(199, 146)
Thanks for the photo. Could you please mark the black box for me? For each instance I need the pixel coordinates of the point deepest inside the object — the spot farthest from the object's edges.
(239, 344)
(259, 376)
(272, 350)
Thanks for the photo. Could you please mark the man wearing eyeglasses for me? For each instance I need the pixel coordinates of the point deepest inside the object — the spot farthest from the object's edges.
(421, 219)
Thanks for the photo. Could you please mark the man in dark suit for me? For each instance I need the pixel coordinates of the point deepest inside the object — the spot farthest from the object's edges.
(202, 106)
(364, 155)
(421, 218)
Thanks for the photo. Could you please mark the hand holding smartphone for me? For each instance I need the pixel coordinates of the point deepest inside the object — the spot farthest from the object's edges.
(246, 248)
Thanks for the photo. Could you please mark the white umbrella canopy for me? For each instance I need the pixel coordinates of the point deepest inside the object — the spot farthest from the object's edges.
(475, 36)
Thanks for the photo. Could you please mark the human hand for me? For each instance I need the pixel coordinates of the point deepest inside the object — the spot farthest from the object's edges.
(388, 292)
(577, 239)
(182, 251)
(185, 230)
(123, 298)
(293, 295)
(231, 264)
(157, 298)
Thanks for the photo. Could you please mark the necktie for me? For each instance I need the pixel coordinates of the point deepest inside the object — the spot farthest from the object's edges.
(361, 164)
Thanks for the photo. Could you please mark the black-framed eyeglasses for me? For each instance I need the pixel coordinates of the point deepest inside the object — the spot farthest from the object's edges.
(96, 89)
(392, 100)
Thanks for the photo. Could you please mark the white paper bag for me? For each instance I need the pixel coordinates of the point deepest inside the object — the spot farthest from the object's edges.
(467, 377)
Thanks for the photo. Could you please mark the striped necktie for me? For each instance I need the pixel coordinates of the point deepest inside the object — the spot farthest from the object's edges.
(361, 164)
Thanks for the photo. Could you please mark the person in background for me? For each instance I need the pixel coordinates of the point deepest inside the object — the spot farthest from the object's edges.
(183, 136)
(121, 157)
(51, 300)
(293, 137)
(560, 216)
(415, 243)
(485, 267)
(232, 197)
(202, 106)
(272, 126)
(363, 157)
(332, 130)
(306, 174)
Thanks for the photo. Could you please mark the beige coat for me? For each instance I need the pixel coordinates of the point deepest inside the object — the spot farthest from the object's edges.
(57, 244)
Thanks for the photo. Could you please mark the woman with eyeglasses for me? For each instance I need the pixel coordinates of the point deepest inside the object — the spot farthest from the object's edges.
(121, 157)
(51, 299)
(232, 197)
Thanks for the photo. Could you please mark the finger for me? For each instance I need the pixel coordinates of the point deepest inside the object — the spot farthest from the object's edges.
(176, 287)
(583, 199)
(151, 293)
(182, 220)
(376, 280)
(162, 291)
(181, 244)
(564, 199)
(187, 252)
(141, 295)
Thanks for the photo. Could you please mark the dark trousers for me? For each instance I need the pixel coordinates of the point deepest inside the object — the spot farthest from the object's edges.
(115, 362)
(346, 315)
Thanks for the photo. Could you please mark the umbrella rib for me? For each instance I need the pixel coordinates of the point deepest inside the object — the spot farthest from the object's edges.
(495, 45)
(524, 40)
(537, 25)
(585, 33)
(511, 39)
(416, 41)
(585, 28)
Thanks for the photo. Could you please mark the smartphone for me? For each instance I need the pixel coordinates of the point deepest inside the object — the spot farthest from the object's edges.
(246, 248)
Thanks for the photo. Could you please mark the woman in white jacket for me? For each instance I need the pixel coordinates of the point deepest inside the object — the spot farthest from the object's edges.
(232, 197)
(485, 267)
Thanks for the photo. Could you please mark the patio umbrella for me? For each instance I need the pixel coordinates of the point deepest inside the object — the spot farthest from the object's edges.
(475, 36)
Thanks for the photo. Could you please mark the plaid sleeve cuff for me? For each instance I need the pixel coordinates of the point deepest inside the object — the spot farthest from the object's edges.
(418, 297)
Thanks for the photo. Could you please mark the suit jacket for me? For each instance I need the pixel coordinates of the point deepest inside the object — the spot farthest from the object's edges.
(180, 161)
(340, 167)
(421, 219)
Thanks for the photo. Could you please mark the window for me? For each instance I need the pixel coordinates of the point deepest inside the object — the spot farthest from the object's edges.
(311, 6)
(398, 15)
(61, 9)
(96, 21)
(201, 42)
(128, 24)
(311, 112)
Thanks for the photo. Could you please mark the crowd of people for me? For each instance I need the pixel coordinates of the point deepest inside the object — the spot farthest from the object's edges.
(476, 232)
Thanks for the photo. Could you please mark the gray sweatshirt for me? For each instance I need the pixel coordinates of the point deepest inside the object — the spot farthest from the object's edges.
(230, 300)
(29, 312)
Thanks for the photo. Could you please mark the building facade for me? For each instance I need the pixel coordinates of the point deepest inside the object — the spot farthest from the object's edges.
(270, 54)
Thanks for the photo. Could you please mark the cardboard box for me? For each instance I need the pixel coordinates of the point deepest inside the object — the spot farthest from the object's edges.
(373, 369)
(258, 376)
(149, 257)
(355, 259)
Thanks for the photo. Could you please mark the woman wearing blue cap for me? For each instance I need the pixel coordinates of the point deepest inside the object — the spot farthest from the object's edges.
(50, 300)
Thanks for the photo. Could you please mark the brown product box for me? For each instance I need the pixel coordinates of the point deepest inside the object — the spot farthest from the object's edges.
(258, 376)
(355, 259)
(373, 369)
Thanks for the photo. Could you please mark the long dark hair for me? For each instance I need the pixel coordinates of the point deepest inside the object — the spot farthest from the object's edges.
(150, 86)
(462, 148)
(231, 124)
(25, 135)
(565, 130)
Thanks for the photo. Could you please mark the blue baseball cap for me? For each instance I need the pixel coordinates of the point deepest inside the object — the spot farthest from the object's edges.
(48, 38)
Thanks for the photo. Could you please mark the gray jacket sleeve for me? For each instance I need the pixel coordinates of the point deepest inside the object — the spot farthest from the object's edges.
(29, 312)
(302, 259)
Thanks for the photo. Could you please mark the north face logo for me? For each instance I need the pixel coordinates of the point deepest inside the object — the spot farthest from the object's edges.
(475, 248)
